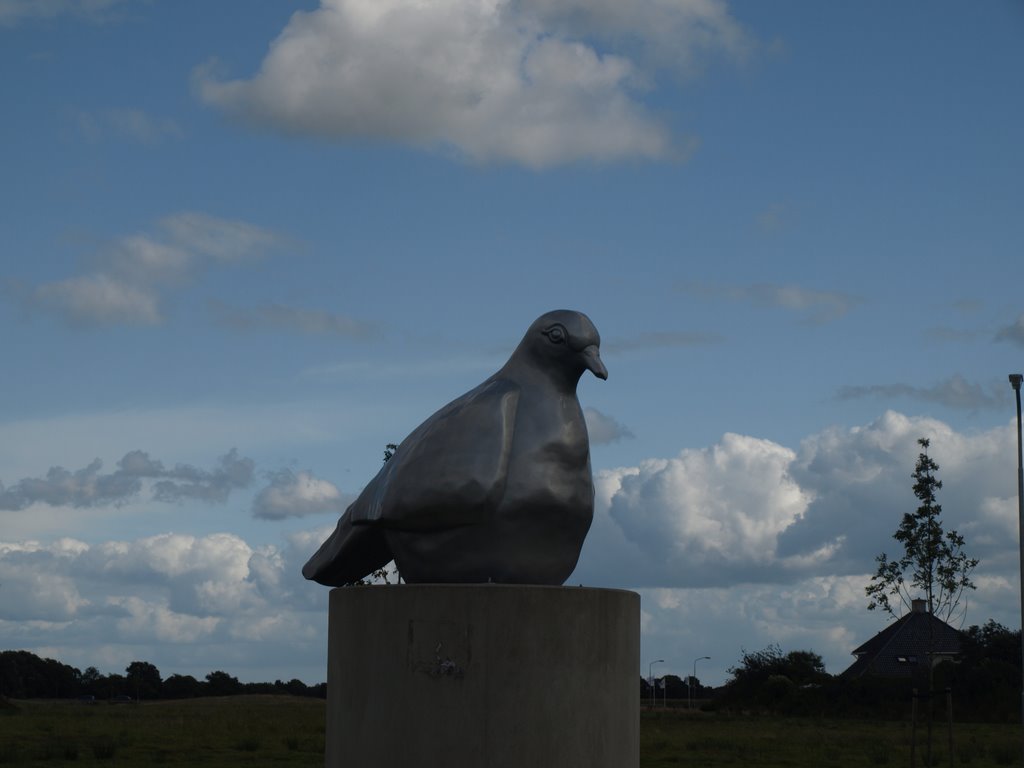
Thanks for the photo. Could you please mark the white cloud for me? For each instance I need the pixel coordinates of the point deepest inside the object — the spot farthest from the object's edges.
(497, 80)
(713, 514)
(1014, 333)
(816, 307)
(146, 620)
(292, 494)
(99, 300)
(133, 124)
(189, 604)
(750, 510)
(662, 339)
(13, 12)
(603, 428)
(87, 487)
(292, 319)
(135, 271)
(223, 240)
(954, 392)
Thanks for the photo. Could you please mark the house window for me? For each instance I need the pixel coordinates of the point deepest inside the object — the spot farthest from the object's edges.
(906, 659)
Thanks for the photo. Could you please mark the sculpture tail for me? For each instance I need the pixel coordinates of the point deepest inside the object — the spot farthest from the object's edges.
(351, 553)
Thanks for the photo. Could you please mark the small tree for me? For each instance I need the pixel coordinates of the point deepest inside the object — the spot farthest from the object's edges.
(933, 559)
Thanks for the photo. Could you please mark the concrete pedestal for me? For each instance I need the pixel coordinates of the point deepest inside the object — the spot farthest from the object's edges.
(483, 676)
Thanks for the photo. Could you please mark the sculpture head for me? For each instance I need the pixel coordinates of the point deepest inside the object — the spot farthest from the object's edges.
(565, 344)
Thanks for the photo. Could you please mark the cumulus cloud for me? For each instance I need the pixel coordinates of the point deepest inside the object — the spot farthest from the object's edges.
(604, 429)
(177, 600)
(719, 510)
(126, 123)
(88, 487)
(816, 307)
(750, 510)
(536, 83)
(954, 392)
(295, 494)
(292, 319)
(133, 272)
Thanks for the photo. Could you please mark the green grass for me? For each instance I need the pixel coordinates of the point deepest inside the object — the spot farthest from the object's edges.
(232, 731)
(679, 738)
(289, 731)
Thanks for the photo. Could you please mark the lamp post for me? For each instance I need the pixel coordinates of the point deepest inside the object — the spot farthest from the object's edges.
(1015, 380)
(693, 679)
(650, 679)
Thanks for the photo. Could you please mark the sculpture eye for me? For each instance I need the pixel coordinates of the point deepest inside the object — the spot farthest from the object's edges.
(556, 334)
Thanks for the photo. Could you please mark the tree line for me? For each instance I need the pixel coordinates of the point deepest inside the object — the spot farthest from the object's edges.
(984, 683)
(23, 675)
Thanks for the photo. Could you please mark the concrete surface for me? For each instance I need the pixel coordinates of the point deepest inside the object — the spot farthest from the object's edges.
(483, 676)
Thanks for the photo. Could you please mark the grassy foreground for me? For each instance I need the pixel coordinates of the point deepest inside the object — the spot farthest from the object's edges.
(289, 731)
(229, 731)
(679, 738)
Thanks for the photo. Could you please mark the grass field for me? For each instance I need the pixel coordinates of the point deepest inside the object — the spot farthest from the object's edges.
(289, 731)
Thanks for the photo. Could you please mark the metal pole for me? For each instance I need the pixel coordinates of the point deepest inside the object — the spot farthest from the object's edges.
(1015, 380)
(693, 679)
(650, 681)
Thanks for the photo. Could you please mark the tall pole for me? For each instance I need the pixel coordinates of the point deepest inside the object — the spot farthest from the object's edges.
(650, 681)
(1015, 380)
(693, 679)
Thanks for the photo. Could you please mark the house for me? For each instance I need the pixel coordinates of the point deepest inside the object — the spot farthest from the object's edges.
(903, 648)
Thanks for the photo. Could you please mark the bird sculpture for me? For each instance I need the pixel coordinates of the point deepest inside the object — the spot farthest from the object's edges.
(494, 487)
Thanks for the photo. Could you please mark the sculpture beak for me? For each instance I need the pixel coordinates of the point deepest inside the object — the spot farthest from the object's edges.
(592, 359)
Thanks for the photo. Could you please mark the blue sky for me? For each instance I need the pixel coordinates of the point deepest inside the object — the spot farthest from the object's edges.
(246, 245)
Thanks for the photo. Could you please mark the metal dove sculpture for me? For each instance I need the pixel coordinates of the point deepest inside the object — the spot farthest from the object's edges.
(494, 487)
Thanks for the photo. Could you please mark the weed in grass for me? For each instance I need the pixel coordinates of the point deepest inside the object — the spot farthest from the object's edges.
(70, 750)
(248, 744)
(1005, 753)
(9, 754)
(878, 753)
(291, 743)
(104, 749)
(970, 751)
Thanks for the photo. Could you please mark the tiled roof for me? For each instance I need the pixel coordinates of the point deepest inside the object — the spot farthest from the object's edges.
(902, 647)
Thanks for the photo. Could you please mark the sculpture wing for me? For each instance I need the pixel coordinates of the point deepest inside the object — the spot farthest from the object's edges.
(451, 470)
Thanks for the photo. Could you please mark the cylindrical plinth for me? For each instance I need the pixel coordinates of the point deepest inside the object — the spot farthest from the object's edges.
(483, 676)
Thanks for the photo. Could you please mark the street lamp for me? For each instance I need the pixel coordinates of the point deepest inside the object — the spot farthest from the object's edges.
(1015, 380)
(650, 678)
(693, 678)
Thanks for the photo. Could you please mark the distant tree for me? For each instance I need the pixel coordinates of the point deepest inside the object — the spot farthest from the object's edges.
(319, 690)
(92, 681)
(933, 559)
(801, 667)
(773, 680)
(222, 684)
(116, 685)
(671, 687)
(23, 675)
(992, 643)
(182, 687)
(144, 680)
